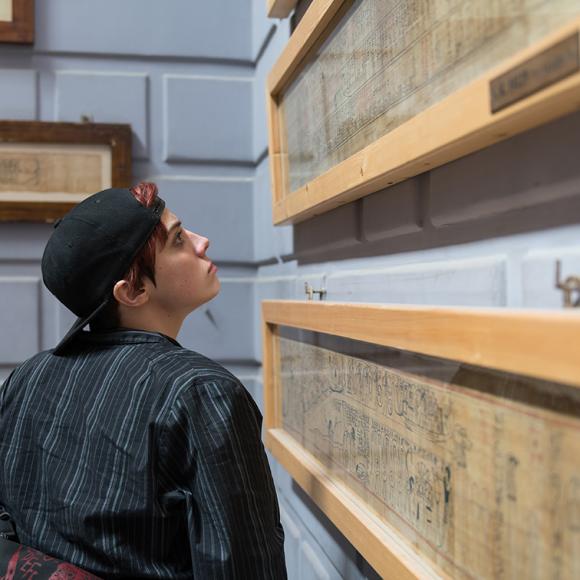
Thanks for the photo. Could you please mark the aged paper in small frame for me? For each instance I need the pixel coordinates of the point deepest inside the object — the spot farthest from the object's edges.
(47, 168)
(5, 10)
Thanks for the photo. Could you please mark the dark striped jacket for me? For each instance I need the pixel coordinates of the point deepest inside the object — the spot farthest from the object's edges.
(133, 457)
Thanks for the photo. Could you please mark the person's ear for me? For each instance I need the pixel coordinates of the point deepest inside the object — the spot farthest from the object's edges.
(125, 294)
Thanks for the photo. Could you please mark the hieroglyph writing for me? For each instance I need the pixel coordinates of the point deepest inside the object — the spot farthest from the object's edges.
(388, 60)
(486, 487)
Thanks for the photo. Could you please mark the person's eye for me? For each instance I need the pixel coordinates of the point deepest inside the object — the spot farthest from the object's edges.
(179, 237)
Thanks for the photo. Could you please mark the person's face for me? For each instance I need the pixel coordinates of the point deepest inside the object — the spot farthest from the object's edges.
(185, 277)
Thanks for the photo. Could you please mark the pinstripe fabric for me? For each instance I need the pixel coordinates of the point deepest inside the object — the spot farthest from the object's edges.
(133, 457)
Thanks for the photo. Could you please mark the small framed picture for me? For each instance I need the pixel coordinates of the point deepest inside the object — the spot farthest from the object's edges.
(17, 21)
(46, 168)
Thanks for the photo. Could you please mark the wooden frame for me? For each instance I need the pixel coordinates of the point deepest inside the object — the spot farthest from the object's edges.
(20, 26)
(456, 126)
(529, 343)
(280, 8)
(112, 140)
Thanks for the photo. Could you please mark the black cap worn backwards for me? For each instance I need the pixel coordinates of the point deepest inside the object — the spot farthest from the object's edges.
(91, 248)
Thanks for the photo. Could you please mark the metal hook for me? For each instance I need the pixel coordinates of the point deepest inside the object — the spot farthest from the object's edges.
(568, 286)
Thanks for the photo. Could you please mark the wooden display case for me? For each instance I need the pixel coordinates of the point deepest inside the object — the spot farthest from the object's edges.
(369, 93)
(442, 442)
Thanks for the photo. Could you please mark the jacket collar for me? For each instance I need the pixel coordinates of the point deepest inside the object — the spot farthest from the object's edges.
(125, 336)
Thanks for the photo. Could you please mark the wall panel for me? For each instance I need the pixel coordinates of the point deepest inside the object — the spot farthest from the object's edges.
(106, 98)
(292, 540)
(208, 119)
(469, 282)
(217, 208)
(19, 318)
(222, 328)
(219, 29)
(395, 212)
(510, 177)
(19, 94)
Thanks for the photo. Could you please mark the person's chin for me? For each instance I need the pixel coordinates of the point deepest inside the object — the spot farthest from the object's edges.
(217, 287)
(215, 290)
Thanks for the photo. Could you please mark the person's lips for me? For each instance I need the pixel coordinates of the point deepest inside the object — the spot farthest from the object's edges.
(212, 268)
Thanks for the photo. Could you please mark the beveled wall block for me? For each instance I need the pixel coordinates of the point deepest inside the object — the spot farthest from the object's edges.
(292, 540)
(208, 119)
(222, 328)
(314, 565)
(331, 231)
(392, 212)
(470, 282)
(218, 29)
(535, 168)
(23, 241)
(219, 209)
(19, 318)
(18, 94)
(106, 98)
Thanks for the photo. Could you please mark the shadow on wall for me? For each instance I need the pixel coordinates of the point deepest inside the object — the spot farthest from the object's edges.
(527, 183)
(298, 13)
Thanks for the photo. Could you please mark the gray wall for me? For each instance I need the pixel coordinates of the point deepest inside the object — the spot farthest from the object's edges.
(189, 77)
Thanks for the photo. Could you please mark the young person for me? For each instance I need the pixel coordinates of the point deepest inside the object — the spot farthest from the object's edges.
(121, 451)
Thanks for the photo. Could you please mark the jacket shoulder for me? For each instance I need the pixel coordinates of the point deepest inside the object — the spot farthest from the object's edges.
(188, 366)
(32, 363)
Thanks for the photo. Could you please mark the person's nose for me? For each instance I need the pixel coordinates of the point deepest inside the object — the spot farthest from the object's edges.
(200, 243)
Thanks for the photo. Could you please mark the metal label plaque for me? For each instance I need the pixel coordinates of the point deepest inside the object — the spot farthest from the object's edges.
(548, 67)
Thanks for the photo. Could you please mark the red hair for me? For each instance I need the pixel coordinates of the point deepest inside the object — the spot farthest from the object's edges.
(144, 264)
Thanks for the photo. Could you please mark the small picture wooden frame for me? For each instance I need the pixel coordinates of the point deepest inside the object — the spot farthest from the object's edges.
(17, 21)
(46, 168)
(418, 431)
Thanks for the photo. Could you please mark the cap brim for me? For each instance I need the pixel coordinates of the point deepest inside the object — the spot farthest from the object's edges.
(76, 328)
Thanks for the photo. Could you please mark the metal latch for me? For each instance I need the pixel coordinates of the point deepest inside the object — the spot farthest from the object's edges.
(310, 292)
